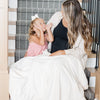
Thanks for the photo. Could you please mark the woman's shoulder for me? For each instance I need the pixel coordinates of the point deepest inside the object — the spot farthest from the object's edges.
(58, 13)
(56, 17)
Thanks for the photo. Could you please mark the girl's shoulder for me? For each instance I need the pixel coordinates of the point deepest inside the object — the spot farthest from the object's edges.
(33, 38)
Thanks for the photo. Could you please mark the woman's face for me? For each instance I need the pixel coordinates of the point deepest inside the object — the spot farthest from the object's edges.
(40, 24)
(62, 11)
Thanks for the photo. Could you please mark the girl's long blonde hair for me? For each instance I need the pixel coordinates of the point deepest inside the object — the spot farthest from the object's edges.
(31, 30)
(77, 23)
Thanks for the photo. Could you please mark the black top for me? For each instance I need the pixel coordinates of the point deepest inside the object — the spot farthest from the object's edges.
(60, 38)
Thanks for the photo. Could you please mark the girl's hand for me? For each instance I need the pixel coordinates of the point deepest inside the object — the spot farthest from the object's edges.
(48, 26)
(60, 52)
(38, 27)
(49, 36)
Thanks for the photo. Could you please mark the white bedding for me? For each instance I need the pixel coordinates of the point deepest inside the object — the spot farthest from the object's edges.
(47, 78)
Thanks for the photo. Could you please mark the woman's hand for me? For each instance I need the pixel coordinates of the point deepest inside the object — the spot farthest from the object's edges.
(60, 52)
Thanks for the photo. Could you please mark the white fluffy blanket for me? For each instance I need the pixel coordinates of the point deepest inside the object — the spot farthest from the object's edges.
(47, 78)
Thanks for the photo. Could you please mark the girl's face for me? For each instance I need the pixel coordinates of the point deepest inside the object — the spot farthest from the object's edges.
(40, 24)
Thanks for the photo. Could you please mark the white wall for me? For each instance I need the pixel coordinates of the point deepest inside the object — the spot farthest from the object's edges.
(13, 4)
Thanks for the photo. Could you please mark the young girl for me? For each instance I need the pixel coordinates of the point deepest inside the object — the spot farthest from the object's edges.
(39, 34)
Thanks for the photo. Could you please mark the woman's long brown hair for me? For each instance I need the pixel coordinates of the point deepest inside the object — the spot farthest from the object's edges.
(77, 23)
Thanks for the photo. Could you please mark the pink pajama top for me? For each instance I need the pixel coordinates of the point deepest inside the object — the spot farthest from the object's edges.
(35, 49)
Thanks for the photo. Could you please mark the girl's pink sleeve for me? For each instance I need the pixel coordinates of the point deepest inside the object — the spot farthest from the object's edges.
(30, 51)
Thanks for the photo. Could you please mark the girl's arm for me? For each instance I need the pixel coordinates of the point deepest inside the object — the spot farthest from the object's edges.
(40, 39)
(25, 54)
(49, 36)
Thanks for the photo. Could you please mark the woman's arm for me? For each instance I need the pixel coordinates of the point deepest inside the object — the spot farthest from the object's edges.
(55, 19)
(78, 47)
(77, 50)
(52, 23)
(59, 52)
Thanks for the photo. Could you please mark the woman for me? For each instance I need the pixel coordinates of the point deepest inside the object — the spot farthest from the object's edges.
(62, 38)
(56, 77)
